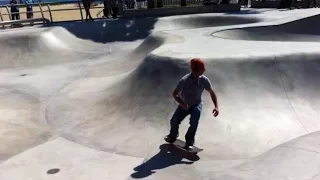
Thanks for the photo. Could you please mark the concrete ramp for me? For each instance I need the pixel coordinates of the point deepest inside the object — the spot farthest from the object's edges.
(267, 104)
(295, 154)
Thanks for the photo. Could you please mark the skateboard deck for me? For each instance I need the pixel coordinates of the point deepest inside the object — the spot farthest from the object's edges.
(179, 144)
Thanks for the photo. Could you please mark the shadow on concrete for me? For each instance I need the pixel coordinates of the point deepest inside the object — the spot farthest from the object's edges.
(126, 30)
(161, 160)
(106, 31)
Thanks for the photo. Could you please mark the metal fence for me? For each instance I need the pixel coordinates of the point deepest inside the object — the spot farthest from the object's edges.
(51, 11)
(45, 9)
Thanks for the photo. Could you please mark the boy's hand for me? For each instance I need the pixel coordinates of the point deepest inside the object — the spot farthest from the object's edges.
(185, 106)
(215, 112)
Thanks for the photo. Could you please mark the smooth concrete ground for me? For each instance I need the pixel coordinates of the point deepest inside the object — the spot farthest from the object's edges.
(92, 100)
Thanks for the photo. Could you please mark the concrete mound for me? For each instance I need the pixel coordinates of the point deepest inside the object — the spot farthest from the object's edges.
(51, 46)
(128, 60)
(267, 104)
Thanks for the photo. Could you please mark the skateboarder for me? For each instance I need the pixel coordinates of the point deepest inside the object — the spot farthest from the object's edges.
(191, 87)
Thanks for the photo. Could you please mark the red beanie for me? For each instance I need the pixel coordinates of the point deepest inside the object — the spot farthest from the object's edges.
(197, 65)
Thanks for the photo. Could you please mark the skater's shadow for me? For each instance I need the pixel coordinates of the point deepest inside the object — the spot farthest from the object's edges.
(161, 160)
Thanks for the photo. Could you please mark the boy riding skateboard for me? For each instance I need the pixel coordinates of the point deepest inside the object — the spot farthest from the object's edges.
(190, 87)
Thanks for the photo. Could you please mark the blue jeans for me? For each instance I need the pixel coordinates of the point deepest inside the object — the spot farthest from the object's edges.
(177, 118)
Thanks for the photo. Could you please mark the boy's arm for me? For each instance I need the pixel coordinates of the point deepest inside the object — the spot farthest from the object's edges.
(208, 87)
(213, 98)
(176, 91)
(215, 102)
(176, 97)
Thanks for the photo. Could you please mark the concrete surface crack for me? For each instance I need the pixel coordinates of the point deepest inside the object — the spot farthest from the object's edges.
(49, 100)
(301, 149)
(315, 175)
(284, 88)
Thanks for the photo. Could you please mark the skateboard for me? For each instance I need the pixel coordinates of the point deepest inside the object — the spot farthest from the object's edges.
(179, 144)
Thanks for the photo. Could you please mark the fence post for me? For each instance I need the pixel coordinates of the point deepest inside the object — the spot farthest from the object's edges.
(9, 14)
(50, 12)
(159, 3)
(151, 4)
(40, 7)
(183, 3)
(1, 17)
(80, 10)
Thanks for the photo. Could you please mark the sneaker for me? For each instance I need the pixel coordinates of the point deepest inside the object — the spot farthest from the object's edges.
(170, 139)
(189, 147)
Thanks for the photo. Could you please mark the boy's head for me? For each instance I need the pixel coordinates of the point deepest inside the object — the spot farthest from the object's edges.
(197, 66)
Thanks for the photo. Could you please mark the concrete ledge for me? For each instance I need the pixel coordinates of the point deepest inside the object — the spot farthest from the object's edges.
(25, 21)
(158, 12)
(302, 4)
(276, 4)
(265, 4)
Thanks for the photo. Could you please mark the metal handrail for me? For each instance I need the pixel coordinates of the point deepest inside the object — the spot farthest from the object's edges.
(49, 9)
(47, 21)
(19, 13)
(11, 22)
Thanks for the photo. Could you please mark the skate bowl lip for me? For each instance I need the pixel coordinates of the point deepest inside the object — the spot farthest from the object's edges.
(283, 30)
(267, 35)
(183, 10)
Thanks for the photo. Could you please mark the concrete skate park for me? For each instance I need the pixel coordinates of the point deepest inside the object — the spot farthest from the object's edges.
(92, 100)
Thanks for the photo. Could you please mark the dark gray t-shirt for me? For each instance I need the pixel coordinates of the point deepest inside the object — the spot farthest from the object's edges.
(191, 88)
